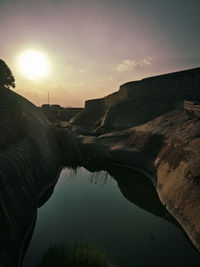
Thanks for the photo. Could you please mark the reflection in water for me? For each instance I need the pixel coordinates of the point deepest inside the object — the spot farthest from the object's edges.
(99, 178)
(139, 189)
(91, 208)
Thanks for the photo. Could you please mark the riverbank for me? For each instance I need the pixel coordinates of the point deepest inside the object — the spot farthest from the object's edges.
(153, 126)
(165, 149)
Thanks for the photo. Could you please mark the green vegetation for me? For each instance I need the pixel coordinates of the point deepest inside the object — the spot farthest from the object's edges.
(74, 255)
(6, 77)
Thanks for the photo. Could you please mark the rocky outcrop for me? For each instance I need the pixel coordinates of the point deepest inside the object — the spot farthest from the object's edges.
(30, 163)
(91, 116)
(192, 108)
(167, 150)
(141, 101)
(158, 136)
(55, 113)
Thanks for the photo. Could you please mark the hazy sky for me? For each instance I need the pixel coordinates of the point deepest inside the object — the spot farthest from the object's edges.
(96, 45)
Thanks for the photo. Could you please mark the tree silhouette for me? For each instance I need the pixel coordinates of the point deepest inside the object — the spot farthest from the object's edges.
(6, 77)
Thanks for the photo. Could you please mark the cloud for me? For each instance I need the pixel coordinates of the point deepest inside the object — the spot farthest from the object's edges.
(128, 64)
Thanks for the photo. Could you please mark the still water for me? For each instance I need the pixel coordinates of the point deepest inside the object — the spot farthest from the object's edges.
(121, 216)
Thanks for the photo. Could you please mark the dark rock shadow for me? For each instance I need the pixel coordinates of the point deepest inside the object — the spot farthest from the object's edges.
(138, 189)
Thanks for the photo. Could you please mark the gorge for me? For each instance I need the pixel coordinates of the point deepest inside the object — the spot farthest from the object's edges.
(151, 125)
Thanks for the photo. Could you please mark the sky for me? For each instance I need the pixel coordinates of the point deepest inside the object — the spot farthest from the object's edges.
(94, 46)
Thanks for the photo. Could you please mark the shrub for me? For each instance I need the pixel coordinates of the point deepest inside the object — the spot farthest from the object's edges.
(6, 77)
(74, 255)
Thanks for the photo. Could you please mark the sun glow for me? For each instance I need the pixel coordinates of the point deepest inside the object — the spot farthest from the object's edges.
(33, 64)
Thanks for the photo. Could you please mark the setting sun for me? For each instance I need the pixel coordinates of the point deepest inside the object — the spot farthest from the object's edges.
(33, 64)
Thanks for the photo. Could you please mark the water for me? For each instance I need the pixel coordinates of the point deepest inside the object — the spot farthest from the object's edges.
(86, 208)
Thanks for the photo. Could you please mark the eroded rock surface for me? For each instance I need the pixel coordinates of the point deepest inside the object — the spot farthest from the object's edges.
(30, 162)
(144, 126)
(167, 149)
(153, 125)
(138, 102)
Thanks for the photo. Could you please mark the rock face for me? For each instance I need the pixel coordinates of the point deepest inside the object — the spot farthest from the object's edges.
(141, 101)
(192, 108)
(153, 126)
(57, 113)
(91, 115)
(146, 126)
(166, 149)
(30, 163)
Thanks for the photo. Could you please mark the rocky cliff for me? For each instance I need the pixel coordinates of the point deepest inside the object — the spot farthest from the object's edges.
(153, 126)
(56, 113)
(167, 150)
(30, 163)
(157, 134)
(141, 101)
(91, 116)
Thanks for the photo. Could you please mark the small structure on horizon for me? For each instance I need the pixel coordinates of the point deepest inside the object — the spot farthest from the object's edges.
(55, 112)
